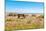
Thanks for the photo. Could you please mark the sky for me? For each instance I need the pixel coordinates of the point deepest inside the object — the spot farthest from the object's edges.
(24, 6)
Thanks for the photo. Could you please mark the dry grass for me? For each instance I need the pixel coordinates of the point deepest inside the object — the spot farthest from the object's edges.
(25, 23)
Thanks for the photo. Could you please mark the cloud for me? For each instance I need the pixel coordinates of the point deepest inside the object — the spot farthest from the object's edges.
(29, 11)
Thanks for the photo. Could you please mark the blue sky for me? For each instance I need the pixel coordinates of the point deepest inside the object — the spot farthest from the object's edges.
(24, 7)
